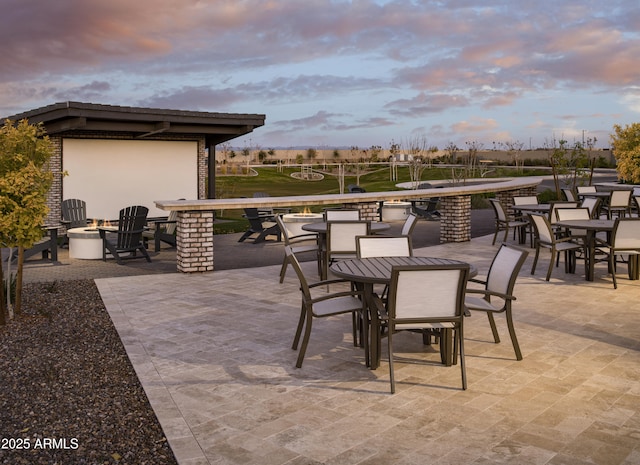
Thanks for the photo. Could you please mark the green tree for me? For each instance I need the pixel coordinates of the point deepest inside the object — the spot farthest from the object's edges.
(25, 180)
(626, 148)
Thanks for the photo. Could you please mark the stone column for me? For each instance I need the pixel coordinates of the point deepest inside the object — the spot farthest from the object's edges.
(194, 240)
(455, 222)
(368, 210)
(506, 197)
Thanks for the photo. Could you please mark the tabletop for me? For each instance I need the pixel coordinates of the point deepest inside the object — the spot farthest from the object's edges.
(533, 207)
(378, 270)
(321, 227)
(593, 224)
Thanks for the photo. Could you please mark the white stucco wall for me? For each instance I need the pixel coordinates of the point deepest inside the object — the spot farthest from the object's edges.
(113, 174)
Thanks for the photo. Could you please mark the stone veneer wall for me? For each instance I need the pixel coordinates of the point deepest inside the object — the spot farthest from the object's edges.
(506, 197)
(455, 220)
(368, 210)
(194, 251)
(54, 199)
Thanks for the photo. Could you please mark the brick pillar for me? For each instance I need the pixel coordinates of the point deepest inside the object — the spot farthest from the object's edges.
(368, 210)
(455, 222)
(506, 197)
(194, 240)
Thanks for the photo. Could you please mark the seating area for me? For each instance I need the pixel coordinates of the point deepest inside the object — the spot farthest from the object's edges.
(213, 390)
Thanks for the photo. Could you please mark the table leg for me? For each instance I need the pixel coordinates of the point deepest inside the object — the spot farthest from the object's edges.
(322, 256)
(591, 255)
(371, 330)
(634, 267)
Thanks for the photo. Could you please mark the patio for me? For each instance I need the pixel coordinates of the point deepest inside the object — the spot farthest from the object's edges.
(213, 354)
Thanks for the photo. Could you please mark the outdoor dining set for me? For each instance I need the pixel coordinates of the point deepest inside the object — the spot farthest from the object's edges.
(376, 278)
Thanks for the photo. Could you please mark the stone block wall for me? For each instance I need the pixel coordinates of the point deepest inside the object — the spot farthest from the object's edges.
(368, 210)
(455, 222)
(194, 251)
(506, 197)
(54, 199)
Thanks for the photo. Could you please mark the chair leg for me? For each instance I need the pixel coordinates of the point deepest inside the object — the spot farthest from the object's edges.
(296, 339)
(390, 350)
(283, 270)
(512, 333)
(535, 261)
(463, 368)
(305, 341)
(612, 268)
(144, 252)
(494, 329)
(551, 260)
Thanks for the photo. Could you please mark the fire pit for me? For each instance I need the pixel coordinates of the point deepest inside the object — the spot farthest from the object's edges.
(85, 243)
(395, 211)
(295, 221)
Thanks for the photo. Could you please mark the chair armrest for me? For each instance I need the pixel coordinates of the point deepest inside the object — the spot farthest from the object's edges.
(158, 222)
(331, 281)
(378, 306)
(601, 242)
(337, 294)
(303, 238)
(486, 292)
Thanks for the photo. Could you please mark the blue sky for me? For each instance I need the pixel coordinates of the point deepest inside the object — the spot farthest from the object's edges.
(338, 73)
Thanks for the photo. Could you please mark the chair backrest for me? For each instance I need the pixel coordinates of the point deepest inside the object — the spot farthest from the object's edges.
(341, 236)
(636, 199)
(626, 234)
(578, 213)
(383, 246)
(554, 205)
(569, 196)
(593, 205)
(542, 228)
(499, 210)
(295, 264)
(74, 213)
(286, 234)
(253, 216)
(131, 223)
(171, 225)
(504, 269)
(427, 292)
(525, 200)
(585, 189)
(619, 198)
(409, 224)
(331, 214)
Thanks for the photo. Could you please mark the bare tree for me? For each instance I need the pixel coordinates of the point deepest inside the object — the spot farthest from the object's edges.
(514, 151)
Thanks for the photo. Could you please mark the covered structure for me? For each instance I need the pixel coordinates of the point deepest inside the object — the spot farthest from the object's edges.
(115, 156)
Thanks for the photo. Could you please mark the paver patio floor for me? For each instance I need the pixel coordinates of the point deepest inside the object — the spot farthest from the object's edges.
(213, 352)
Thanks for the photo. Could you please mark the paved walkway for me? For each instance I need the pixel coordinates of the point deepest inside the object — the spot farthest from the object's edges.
(213, 354)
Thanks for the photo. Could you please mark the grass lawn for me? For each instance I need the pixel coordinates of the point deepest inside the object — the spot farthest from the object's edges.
(281, 183)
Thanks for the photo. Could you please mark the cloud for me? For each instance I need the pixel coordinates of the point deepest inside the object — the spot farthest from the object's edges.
(378, 64)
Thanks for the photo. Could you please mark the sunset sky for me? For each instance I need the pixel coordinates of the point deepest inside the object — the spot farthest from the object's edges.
(338, 73)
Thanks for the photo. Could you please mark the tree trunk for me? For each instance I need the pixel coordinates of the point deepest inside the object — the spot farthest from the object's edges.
(3, 304)
(18, 303)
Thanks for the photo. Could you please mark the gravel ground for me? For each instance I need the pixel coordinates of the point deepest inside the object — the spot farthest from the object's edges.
(68, 393)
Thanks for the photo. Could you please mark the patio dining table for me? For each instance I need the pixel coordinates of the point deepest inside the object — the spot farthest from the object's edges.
(592, 227)
(366, 272)
(533, 208)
